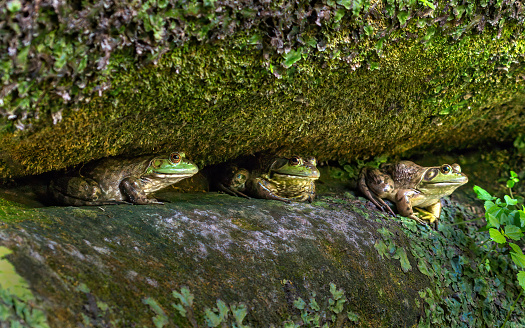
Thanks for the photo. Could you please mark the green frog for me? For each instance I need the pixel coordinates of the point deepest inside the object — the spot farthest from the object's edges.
(122, 180)
(410, 187)
(283, 179)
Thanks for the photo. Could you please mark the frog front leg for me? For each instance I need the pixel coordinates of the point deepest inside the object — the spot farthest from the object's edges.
(263, 189)
(404, 206)
(430, 213)
(132, 189)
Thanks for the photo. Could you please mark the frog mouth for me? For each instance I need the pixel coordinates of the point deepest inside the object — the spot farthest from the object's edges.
(297, 176)
(170, 175)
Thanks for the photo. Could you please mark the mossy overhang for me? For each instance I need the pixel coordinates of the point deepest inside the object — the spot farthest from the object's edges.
(342, 80)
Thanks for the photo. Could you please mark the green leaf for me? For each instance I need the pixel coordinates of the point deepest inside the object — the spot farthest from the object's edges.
(510, 184)
(518, 259)
(339, 13)
(521, 279)
(515, 248)
(402, 256)
(299, 304)
(403, 16)
(513, 232)
(314, 305)
(179, 308)
(428, 4)
(337, 294)
(493, 220)
(422, 266)
(513, 174)
(212, 319)
(381, 249)
(345, 3)
(482, 193)
(369, 30)
(292, 57)
(184, 296)
(510, 201)
(521, 215)
(352, 316)
(239, 312)
(496, 236)
(14, 6)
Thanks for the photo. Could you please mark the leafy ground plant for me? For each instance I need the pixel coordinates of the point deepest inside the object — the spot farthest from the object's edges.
(220, 316)
(505, 224)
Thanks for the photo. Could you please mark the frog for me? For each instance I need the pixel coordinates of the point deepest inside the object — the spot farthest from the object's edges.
(117, 180)
(283, 179)
(411, 187)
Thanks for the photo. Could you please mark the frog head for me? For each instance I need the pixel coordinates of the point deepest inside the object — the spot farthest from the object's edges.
(294, 167)
(441, 180)
(174, 165)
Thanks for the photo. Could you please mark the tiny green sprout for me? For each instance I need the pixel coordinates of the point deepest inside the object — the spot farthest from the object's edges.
(299, 304)
(184, 296)
(14, 6)
(352, 316)
(428, 4)
(512, 181)
(369, 30)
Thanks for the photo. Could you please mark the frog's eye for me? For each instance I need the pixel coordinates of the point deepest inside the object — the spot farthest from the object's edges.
(456, 168)
(240, 176)
(175, 158)
(446, 169)
(295, 161)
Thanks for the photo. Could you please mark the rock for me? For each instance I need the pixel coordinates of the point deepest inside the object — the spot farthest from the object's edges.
(115, 265)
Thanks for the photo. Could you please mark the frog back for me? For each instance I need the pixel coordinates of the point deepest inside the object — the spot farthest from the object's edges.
(110, 172)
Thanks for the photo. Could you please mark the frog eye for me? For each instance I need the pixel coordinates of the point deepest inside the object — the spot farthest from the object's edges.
(241, 177)
(456, 168)
(295, 161)
(175, 158)
(446, 169)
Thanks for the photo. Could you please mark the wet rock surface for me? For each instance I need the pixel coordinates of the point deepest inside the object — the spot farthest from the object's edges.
(101, 263)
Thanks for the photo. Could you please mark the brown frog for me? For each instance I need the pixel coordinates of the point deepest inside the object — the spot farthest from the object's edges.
(284, 179)
(410, 187)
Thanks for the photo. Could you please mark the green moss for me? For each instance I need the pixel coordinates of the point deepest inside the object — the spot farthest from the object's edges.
(354, 94)
(17, 303)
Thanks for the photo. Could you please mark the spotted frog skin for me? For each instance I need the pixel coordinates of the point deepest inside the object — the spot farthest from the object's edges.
(283, 179)
(122, 180)
(410, 187)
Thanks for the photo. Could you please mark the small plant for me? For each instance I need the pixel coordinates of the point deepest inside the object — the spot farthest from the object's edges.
(218, 316)
(505, 223)
(313, 316)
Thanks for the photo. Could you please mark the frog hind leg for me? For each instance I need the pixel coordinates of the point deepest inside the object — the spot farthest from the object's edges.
(404, 207)
(380, 203)
(231, 191)
(262, 188)
(77, 191)
(131, 188)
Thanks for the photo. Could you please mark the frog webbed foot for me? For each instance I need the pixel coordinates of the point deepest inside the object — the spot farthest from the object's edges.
(425, 215)
(418, 220)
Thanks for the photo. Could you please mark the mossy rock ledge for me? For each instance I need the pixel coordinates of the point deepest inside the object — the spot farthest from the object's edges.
(100, 266)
